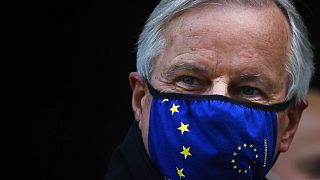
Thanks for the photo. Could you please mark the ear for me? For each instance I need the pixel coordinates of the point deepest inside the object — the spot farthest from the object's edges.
(292, 119)
(139, 91)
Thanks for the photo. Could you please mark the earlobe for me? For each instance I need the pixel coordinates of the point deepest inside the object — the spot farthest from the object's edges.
(292, 119)
(139, 91)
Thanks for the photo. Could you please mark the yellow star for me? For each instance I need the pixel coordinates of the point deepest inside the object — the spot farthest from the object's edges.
(179, 172)
(257, 156)
(245, 145)
(254, 149)
(185, 152)
(240, 171)
(174, 109)
(234, 167)
(233, 161)
(183, 128)
(164, 100)
(234, 154)
(239, 148)
(251, 146)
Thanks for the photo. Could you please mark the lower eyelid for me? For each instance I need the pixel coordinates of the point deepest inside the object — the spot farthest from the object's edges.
(237, 94)
(186, 86)
(193, 89)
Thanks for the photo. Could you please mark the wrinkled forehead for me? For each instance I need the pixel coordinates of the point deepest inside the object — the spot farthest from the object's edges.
(226, 39)
(229, 27)
(242, 19)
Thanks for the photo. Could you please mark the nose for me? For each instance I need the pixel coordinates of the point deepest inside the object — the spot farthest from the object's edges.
(219, 87)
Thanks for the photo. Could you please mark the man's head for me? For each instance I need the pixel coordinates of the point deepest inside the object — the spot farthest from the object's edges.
(249, 50)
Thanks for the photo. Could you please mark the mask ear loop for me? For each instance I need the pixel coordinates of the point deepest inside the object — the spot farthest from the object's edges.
(152, 90)
(150, 87)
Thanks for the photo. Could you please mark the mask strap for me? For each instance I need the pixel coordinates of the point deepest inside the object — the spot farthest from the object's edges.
(152, 90)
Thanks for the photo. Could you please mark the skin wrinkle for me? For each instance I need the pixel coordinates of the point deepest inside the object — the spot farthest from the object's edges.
(182, 67)
(186, 68)
(188, 57)
(256, 77)
(214, 54)
(211, 37)
(179, 34)
(168, 75)
(194, 35)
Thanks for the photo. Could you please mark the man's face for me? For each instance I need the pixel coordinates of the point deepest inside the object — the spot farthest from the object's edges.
(234, 51)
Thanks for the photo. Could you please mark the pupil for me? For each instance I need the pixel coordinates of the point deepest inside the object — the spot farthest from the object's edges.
(248, 90)
(188, 80)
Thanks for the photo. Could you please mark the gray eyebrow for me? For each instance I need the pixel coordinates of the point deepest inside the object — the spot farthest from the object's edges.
(251, 76)
(255, 76)
(184, 67)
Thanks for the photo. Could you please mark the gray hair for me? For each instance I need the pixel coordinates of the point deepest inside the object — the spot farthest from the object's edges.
(299, 67)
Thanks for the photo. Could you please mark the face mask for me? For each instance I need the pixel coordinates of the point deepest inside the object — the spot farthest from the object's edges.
(211, 136)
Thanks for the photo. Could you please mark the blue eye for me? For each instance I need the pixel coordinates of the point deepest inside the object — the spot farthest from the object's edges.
(248, 91)
(189, 80)
(189, 83)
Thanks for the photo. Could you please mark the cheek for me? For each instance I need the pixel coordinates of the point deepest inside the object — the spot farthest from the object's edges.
(144, 123)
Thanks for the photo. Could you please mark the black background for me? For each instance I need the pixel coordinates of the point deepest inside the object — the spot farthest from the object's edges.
(78, 56)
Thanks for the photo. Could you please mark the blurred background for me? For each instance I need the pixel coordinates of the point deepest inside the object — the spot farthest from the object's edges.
(302, 160)
(78, 55)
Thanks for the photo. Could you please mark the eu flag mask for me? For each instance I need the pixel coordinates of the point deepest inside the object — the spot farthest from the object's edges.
(211, 136)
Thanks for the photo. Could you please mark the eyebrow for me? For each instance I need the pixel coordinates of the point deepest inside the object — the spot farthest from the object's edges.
(254, 76)
(183, 67)
(251, 76)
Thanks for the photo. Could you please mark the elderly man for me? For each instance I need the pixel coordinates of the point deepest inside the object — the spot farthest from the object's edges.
(219, 92)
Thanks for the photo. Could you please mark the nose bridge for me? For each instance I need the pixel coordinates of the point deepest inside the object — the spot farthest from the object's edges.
(219, 87)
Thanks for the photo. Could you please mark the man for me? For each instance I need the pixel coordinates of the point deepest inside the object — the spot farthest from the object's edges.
(219, 92)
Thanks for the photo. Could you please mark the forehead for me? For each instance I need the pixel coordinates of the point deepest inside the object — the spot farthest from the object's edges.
(228, 33)
(264, 26)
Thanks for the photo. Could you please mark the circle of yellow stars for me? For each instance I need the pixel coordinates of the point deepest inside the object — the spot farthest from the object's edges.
(236, 154)
(186, 150)
(183, 128)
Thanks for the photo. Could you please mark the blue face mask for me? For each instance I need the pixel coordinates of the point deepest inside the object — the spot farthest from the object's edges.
(211, 136)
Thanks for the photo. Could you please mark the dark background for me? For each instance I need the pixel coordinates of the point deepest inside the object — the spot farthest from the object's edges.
(78, 56)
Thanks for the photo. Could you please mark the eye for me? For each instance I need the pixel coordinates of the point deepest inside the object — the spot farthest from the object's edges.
(249, 91)
(189, 83)
(188, 80)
